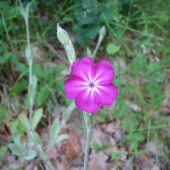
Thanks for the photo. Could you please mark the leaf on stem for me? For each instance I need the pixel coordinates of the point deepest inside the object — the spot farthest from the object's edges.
(36, 118)
(62, 137)
(54, 131)
(24, 120)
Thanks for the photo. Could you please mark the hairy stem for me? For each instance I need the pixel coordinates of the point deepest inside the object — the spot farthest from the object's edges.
(30, 69)
(97, 46)
(89, 130)
(88, 119)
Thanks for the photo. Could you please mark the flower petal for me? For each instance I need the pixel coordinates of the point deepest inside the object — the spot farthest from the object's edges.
(103, 72)
(85, 101)
(105, 94)
(73, 86)
(84, 68)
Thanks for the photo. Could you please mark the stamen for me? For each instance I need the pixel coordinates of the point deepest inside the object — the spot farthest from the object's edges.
(91, 84)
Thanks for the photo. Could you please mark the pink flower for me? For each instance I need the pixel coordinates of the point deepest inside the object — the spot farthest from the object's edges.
(91, 85)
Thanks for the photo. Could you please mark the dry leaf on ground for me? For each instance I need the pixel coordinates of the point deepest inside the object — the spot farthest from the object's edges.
(133, 106)
(155, 167)
(37, 54)
(77, 168)
(53, 153)
(114, 147)
(111, 127)
(72, 145)
(98, 161)
(62, 163)
(156, 149)
(98, 136)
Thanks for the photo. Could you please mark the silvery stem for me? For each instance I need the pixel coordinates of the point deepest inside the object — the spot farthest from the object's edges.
(89, 130)
(88, 118)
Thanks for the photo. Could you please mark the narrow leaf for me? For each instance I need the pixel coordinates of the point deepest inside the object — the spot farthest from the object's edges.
(24, 120)
(36, 118)
(62, 137)
(54, 131)
(67, 111)
(15, 166)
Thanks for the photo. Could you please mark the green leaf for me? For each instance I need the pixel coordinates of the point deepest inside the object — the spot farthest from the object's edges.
(15, 149)
(112, 48)
(67, 111)
(3, 150)
(24, 120)
(16, 139)
(114, 156)
(42, 95)
(3, 112)
(36, 118)
(62, 137)
(54, 131)
(96, 146)
(15, 166)
(31, 154)
(18, 87)
(88, 51)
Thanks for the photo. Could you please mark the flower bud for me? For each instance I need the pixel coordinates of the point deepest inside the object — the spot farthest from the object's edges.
(62, 35)
(102, 31)
(70, 52)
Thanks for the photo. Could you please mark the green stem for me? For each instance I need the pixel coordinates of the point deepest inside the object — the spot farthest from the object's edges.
(89, 130)
(6, 30)
(88, 119)
(97, 46)
(30, 97)
(50, 165)
(30, 67)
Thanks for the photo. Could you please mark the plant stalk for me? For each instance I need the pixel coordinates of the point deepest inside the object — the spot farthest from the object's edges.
(97, 46)
(89, 130)
(30, 68)
(88, 119)
(50, 165)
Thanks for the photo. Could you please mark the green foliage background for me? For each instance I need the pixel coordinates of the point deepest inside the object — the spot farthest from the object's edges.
(138, 33)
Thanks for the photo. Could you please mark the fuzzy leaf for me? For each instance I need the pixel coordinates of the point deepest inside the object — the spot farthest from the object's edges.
(15, 149)
(14, 166)
(31, 154)
(24, 120)
(67, 111)
(36, 118)
(54, 131)
(62, 137)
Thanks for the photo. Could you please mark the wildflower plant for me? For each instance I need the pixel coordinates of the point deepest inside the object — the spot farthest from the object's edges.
(90, 85)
